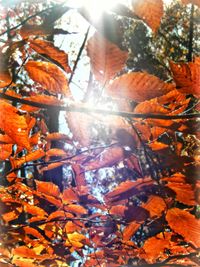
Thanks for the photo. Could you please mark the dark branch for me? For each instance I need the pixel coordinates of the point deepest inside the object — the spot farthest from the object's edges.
(84, 109)
(191, 33)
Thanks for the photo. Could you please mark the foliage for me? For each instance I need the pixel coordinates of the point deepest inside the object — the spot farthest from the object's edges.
(126, 190)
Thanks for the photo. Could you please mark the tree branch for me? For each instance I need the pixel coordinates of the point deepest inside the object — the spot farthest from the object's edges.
(77, 108)
(191, 32)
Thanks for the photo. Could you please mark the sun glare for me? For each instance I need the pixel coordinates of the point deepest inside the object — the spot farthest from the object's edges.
(97, 7)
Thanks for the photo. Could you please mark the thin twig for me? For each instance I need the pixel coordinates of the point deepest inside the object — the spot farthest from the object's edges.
(191, 33)
(79, 54)
(78, 108)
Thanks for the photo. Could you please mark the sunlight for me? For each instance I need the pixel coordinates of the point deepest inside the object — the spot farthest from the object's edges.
(96, 8)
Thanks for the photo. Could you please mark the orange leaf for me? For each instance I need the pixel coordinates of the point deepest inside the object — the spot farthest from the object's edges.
(185, 224)
(106, 58)
(57, 136)
(138, 86)
(11, 215)
(23, 262)
(71, 227)
(131, 229)
(57, 214)
(48, 50)
(4, 138)
(151, 106)
(69, 195)
(155, 206)
(34, 210)
(14, 125)
(157, 146)
(155, 247)
(184, 193)
(75, 209)
(48, 188)
(56, 152)
(51, 77)
(75, 239)
(151, 11)
(33, 232)
(5, 151)
(50, 100)
(187, 77)
(108, 157)
(35, 155)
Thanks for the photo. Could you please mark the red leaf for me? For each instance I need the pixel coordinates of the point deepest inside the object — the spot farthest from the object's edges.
(48, 188)
(150, 11)
(106, 58)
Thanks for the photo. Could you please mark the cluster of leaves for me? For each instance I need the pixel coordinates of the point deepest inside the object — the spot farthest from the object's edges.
(146, 217)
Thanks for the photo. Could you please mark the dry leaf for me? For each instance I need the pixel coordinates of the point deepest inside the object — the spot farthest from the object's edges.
(185, 224)
(184, 192)
(150, 11)
(51, 77)
(14, 125)
(5, 151)
(48, 188)
(106, 58)
(187, 77)
(138, 86)
(47, 49)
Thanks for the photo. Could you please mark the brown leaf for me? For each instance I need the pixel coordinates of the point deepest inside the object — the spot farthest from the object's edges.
(51, 77)
(57, 136)
(80, 124)
(76, 209)
(28, 30)
(184, 193)
(48, 188)
(69, 196)
(71, 227)
(150, 11)
(157, 146)
(108, 157)
(138, 86)
(48, 50)
(127, 189)
(5, 77)
(187, 77)
(14, 125)
(106, 58)
(185, 224)
(195, 2)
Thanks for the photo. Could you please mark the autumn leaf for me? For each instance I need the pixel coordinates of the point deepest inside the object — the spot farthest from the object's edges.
(155, 247)
(5, 77)
(35, 155)
(75, 209)
(155, 206)
(187, 77)
(57, 136)
(49, 100)
(106, 58)
(75, 239)
(185, 224)
(184, 192)
(195, 2)
(28, 30)
(157, 146)
(51, 77)
(34, 210)
(80, 124)
(48, 188)
(47, 49)
(150, 11)
(108, 157)
(138, 86)
(5, 151)
(14, 125)
(127, 189)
